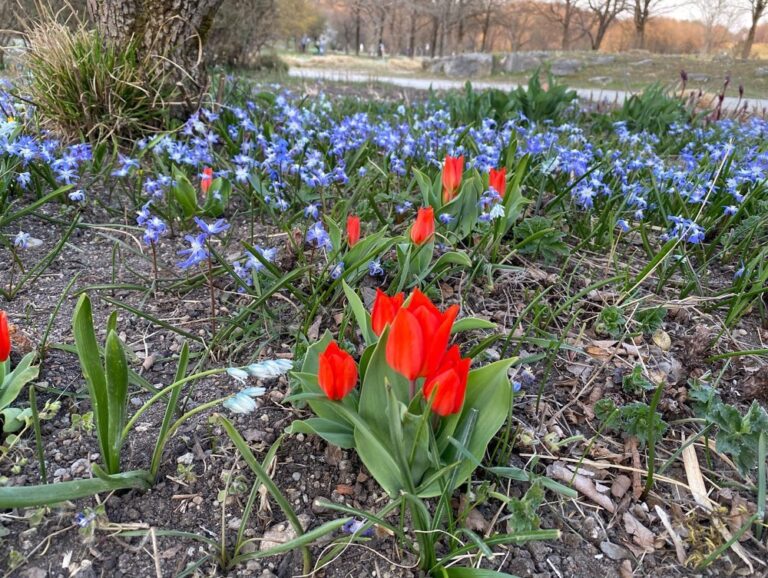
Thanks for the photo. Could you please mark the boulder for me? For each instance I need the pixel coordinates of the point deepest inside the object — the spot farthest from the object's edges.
(520, 61)
(566, 66)
(468, 65)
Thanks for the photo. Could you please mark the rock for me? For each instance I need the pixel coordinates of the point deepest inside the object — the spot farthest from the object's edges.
(604, 59)
(614, 551)
(281, 533)
(463, 65)
(566, 66)
(186, 459)
(520, 61)
(600, 79)
(761, 72)
(80, 466)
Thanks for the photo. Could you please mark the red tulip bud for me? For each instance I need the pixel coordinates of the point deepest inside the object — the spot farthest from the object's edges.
(337, 372)
(206, 179)
(453, 168)
(424, 227)
(353, 230)
(498, 181)
(450, 382)
(5, 338)
(384, 310)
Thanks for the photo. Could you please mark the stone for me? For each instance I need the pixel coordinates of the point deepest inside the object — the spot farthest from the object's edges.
(614, 551)
(463, 65)
(761, 72)
(600, 79)
(604, 59)
(565, 66)
(520, 62)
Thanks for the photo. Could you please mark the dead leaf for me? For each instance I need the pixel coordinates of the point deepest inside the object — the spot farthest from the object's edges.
(476, 522)
(581, 484)
(620, 486)
(314, 330)
(345, 489)
(676, 540)
(662, 339)
(625, 570)
(641, 535)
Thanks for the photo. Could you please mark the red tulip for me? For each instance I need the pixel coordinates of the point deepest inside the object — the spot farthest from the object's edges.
(353, 230)
(424, 227)
(498, 181)
(5, 338)
(450, 379)
(384, 310)
(419, 336)
(206, 180)
(337, 372)
(453, 168)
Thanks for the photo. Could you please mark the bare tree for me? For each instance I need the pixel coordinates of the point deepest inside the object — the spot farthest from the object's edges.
(562, 13)
(756, 12)
(717, 16)
(642, 12)
(604, 12)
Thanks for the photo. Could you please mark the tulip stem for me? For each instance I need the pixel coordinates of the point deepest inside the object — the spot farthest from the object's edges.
(412, 388)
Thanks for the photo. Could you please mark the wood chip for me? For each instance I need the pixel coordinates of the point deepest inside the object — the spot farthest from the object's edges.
(620, 486)
(581, 484)
(676, 540)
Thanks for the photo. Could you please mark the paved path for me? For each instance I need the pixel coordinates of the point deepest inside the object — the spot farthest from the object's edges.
(600, 94)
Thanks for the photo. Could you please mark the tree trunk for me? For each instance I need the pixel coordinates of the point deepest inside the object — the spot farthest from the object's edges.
(435, 30)
(412, 35)
(566, 26)
(171, 33)
(758, 7)
(486, 28)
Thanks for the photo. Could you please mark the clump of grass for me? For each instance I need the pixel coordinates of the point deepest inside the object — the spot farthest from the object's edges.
(87, 87)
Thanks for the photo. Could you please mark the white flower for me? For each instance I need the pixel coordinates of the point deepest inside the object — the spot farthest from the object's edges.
(239, 374)
(270, 368)
(240, 403)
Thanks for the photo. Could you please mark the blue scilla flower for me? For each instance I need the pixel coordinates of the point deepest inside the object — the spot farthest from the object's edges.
(241, 174)
(218, 227)
(77, 196)
(318, 236)
(337, 270)
(311, 211)
(730, 210)
(23, 179)
(355, 526)
(739, 272)
(497, 212)
(375, 269)
(21, 240)
(197, 251)
(445, 218)
(622, 225)
(402, 208)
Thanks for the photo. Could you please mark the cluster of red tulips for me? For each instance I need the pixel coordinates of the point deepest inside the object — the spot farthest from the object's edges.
(453, 169)
(417, 347)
